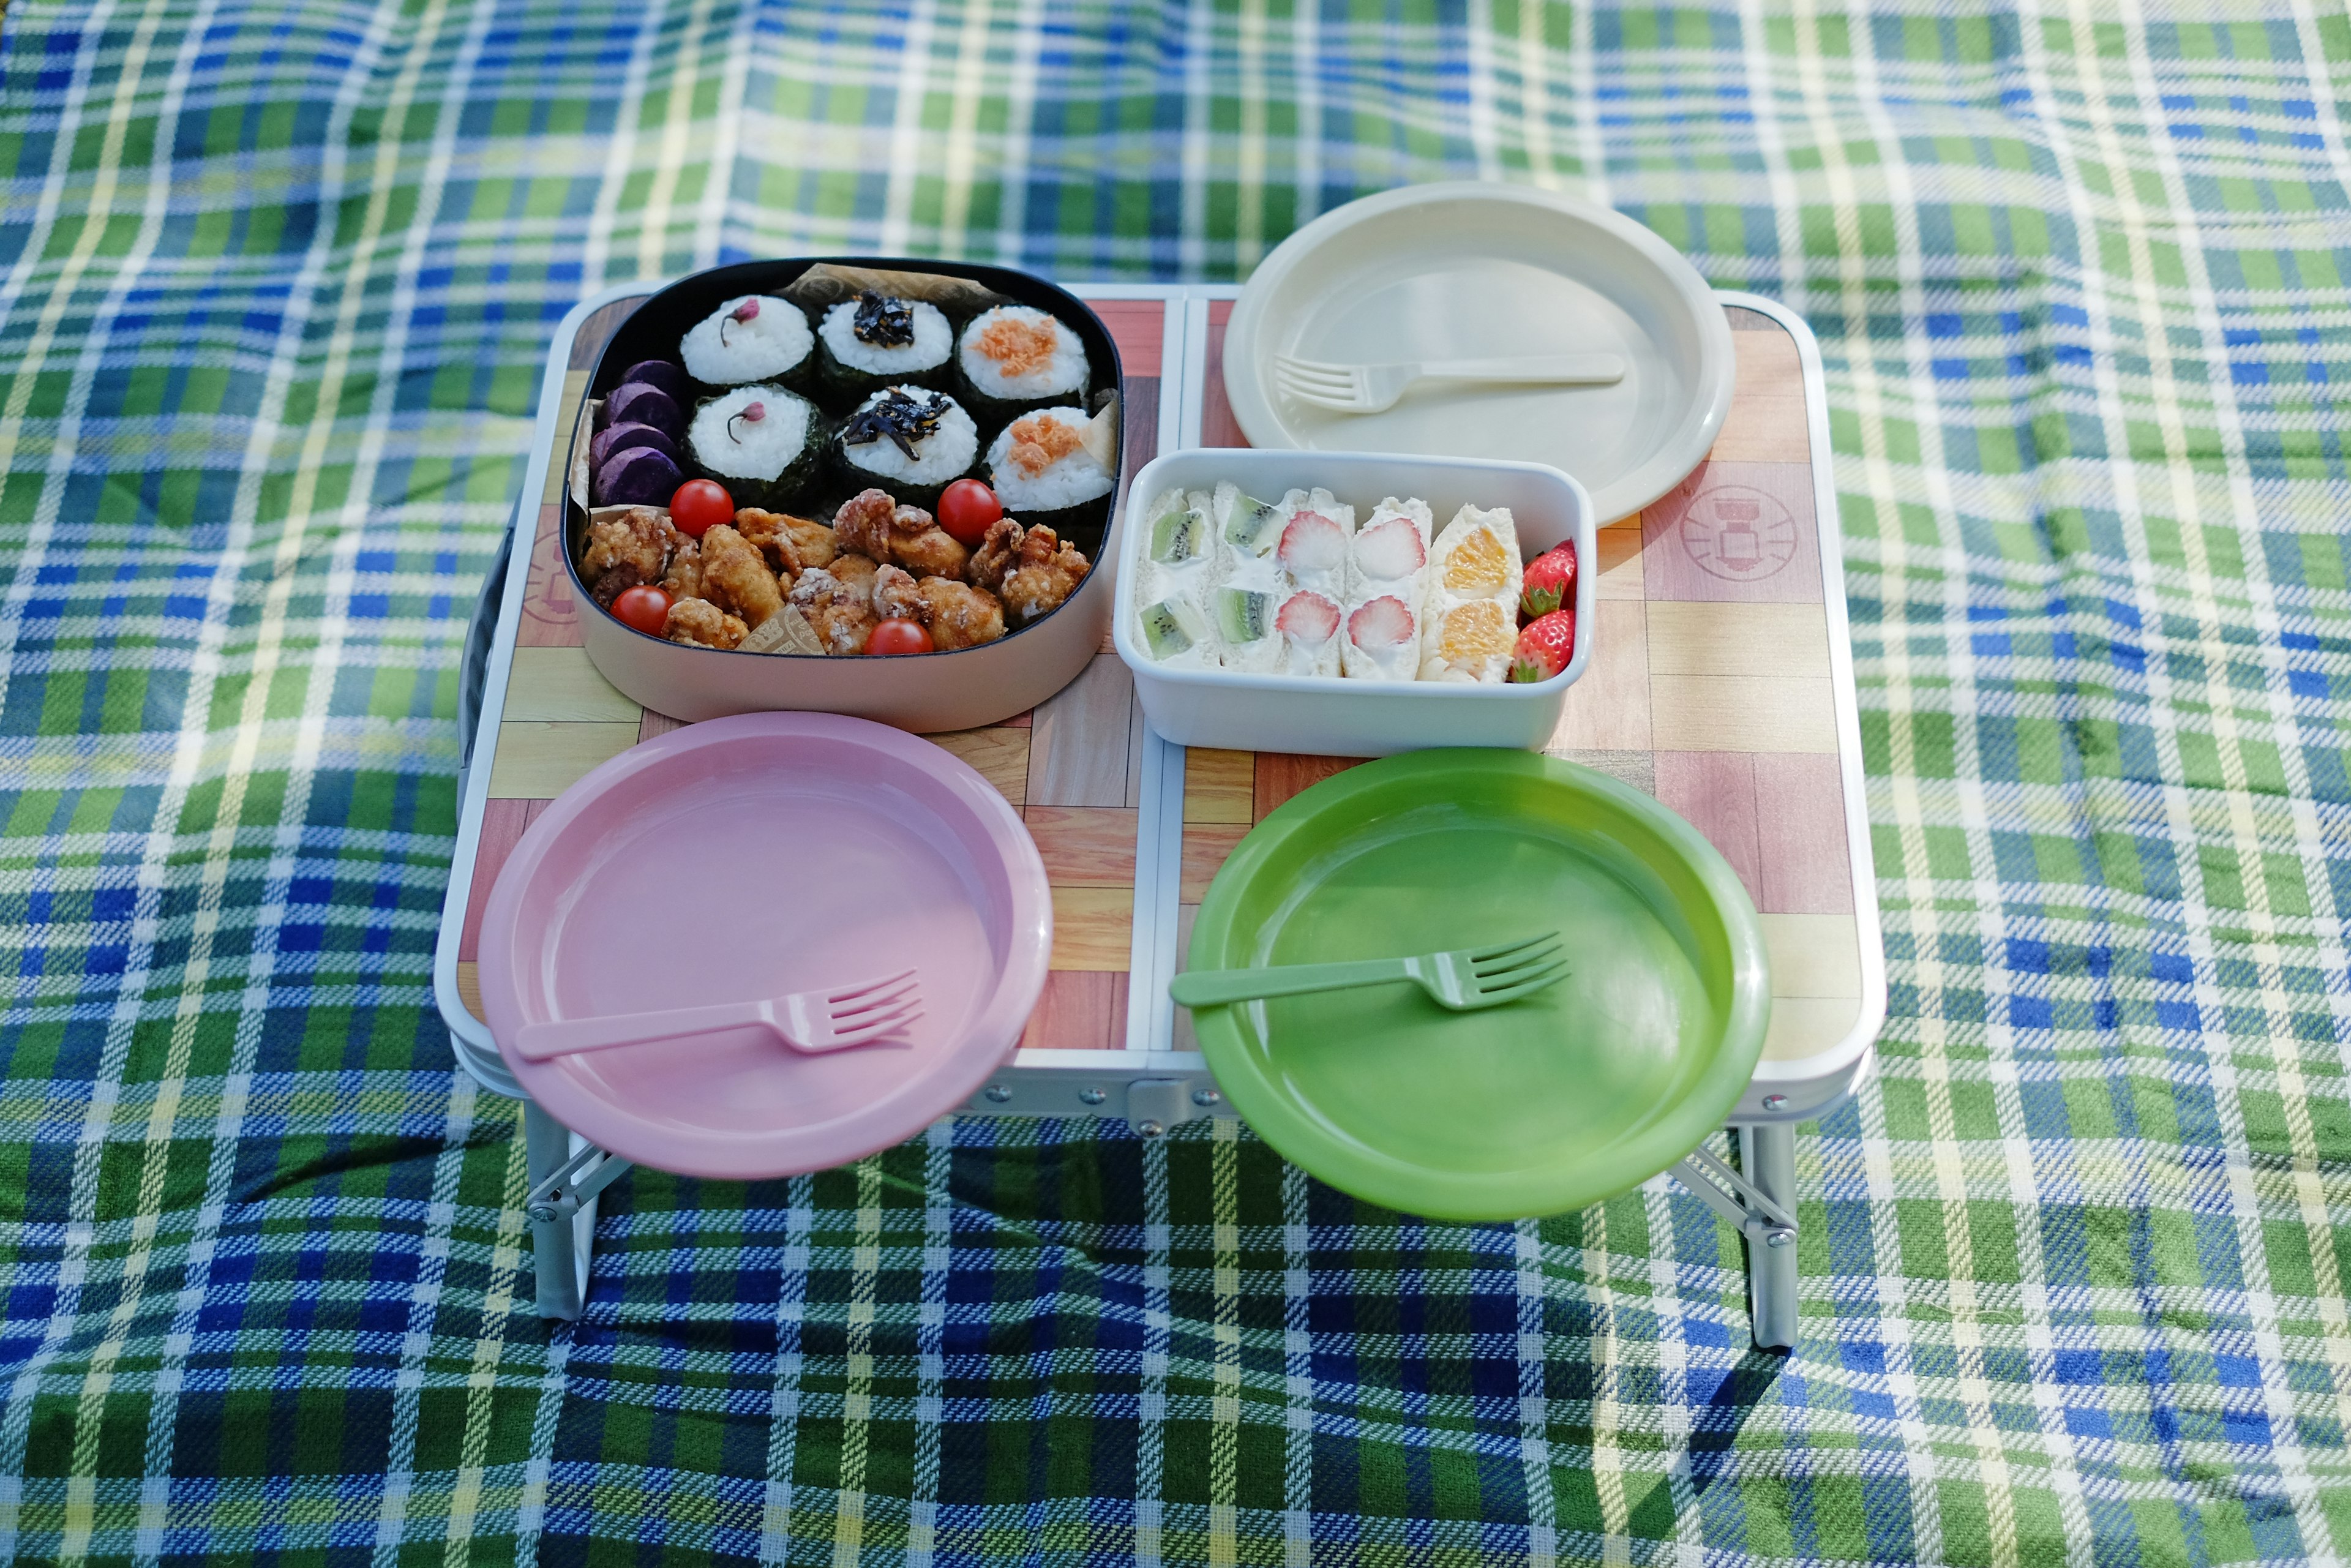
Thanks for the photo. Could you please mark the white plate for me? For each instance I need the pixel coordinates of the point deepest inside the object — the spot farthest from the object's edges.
(1466, 268)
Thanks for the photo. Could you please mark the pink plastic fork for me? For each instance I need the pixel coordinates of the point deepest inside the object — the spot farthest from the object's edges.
(811, 1021)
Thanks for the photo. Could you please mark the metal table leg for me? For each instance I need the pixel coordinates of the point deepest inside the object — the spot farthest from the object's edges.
(1758, 1202)
(1767, 1151)
(566, 1173)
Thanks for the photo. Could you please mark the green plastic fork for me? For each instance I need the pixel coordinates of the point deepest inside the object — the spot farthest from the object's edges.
(1465, 981)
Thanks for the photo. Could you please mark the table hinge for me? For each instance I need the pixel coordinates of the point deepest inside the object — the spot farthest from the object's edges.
(1743, 1206)
(1155, 1106)
(574, 1183)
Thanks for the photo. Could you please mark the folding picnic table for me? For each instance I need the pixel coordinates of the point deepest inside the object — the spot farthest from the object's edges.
(1721, 681)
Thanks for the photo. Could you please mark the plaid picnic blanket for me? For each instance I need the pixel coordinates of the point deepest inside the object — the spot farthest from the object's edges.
(276, 282)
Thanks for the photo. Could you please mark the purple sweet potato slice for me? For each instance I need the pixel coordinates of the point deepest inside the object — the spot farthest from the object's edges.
(641, 403)
(618, 438)
(637, 476)
(661, 373)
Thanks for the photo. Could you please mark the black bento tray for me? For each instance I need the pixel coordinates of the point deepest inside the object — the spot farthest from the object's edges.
(654, 329)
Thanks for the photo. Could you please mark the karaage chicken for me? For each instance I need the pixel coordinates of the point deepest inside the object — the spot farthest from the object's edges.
(842, 617)
(896, 593)
(684, 578)
(959, 615)
(856, 574)
(637, 538)
(700, 621)
(999, 549)
(874, 524)
(876, 561)
(791, 545)
(735, 576)
(618, 578)
(1047, 572)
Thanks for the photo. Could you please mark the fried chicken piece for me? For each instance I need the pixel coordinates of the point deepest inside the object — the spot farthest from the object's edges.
(815, 585)
(959, 615)
(618, 578)
(1049, 573)
(735, 576)
(792, 545)
(998, 551)
(842, 616)
(923, 547)
(857, 575)
(639, 538)
(862, 524)
(895, 593)
(814, 541)
(844, 628)
(684, 578)
(874, 524)
(698, 621)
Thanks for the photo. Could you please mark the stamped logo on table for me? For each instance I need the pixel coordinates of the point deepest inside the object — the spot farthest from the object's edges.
(550, 616)
(1734, 533)
(1740, 534)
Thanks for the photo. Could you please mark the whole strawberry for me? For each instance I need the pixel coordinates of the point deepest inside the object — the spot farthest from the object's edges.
(1549, 583)
(1545, 646)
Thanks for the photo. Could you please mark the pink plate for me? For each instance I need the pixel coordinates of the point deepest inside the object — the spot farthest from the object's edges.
(749, 857)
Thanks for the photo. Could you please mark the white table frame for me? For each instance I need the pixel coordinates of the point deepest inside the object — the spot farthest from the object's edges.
(1152, 1086)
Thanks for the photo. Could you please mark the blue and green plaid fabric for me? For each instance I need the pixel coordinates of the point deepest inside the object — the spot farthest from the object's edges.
(278, 278)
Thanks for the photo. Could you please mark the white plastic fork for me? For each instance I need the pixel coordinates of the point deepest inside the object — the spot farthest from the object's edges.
(811, 1021)
(1373, 389)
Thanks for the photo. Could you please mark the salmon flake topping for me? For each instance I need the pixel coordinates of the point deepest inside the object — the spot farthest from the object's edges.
(1038, 443)
(1018, 347)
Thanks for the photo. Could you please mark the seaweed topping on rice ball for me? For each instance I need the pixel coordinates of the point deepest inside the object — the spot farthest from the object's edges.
(874, 341)
(910, 441)
(1017, 354)
(761, 441)
(1041, 470)
(755, 338)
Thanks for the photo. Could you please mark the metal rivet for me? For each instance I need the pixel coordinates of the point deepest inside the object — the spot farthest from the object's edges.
(1150, 1129)
(1093, 1096)
(1774, 1102)
(1206, 1097)
(541, 1214)
(999, 1093)
(1778, 1238)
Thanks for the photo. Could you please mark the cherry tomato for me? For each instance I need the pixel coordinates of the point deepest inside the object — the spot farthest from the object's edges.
(966, 509)
(899, 635)
(700, 504)
(642, 607)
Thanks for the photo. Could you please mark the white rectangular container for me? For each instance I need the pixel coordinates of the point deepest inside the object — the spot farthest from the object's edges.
(1246, 712)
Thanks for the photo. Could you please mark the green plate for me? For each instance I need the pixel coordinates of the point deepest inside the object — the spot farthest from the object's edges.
(1581, 1092)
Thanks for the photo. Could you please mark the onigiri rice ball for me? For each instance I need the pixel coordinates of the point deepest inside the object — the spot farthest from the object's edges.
(751, 337)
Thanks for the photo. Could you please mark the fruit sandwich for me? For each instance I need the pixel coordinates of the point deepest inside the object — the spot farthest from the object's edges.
(1388, 579)
(1182, 565)
(1232, 582)
(1277, 608)
(1229, 580)
(1469, 620)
